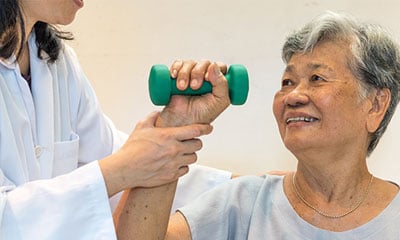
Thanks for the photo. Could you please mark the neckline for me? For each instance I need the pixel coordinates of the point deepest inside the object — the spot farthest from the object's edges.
(308, 230)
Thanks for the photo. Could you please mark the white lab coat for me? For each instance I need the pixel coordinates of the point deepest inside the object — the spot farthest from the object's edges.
(51, 186)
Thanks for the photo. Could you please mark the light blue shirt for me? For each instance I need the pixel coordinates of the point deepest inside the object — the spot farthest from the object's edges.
(256, 208)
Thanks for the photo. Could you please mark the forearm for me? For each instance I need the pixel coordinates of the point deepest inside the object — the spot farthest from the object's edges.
(143, 213)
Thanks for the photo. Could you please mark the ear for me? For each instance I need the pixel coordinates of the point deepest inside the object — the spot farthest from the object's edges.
(380, 103)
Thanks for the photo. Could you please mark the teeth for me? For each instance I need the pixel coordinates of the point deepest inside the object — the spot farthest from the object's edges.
(301, 119)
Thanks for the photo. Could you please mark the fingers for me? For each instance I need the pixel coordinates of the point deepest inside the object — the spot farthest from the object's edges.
(175, 67)
(198, 74)
(190, 147)
(182, 133)
(182, 171)
(191, 73)
(182, 71)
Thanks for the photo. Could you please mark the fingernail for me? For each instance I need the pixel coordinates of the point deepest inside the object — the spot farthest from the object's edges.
(193, 83)
(181, 83)
(174, 73)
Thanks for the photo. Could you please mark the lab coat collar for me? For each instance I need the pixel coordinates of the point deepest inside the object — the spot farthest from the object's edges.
(9, 63)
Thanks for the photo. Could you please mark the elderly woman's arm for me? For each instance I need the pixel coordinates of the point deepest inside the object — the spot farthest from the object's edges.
(147, 217)
(143, 213)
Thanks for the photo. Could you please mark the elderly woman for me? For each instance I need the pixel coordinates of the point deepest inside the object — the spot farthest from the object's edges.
(338, 93)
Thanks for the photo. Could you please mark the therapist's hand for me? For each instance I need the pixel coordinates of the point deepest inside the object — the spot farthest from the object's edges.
(183, 110)
(152, 156)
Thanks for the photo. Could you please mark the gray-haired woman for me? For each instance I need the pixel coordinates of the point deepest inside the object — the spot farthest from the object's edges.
(338, 93)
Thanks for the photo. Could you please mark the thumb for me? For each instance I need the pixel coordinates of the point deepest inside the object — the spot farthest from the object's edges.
(218, 81)
(191, 131)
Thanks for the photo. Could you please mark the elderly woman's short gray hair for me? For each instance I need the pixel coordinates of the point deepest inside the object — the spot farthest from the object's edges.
(374, 57)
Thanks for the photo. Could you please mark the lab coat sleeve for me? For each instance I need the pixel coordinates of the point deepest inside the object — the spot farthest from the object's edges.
(36, 211)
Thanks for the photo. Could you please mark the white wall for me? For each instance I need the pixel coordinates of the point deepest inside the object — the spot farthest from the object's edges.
(118, 41)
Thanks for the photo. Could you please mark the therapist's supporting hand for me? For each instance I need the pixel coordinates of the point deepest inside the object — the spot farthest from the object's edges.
(183, 110)
(152, 156)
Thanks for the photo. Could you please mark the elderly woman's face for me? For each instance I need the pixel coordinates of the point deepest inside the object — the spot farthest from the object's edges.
(318, 106)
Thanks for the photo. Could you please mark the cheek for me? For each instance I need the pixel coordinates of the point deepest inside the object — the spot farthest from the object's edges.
(342, 108)
(277, 107)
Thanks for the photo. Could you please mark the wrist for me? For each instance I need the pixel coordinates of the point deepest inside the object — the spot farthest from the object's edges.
(168, 119)
(113, 178)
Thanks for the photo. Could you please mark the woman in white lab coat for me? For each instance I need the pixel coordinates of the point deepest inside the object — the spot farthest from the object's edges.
(57, 170)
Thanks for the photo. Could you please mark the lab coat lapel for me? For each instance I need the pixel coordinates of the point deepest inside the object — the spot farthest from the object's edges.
(42, 92)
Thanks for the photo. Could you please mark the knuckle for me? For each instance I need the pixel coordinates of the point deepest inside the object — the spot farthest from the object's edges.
(172, 151)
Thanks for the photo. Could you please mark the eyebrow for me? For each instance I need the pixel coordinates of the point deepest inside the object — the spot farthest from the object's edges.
(311, 66)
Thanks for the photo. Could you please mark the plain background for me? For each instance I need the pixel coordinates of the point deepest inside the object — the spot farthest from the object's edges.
(118, 41)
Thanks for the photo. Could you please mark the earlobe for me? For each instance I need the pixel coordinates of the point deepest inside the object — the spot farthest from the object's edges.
(380, 104)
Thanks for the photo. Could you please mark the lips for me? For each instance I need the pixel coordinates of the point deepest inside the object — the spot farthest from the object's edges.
(301, 119)
(79, 3)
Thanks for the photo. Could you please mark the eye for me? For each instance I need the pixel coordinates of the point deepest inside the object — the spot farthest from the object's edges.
(315, 78)
(286, 82)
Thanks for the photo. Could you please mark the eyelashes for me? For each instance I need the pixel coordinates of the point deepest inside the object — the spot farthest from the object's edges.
(313, 78)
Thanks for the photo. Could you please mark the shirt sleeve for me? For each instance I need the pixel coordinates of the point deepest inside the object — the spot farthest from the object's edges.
(224, 211)
(53, 209)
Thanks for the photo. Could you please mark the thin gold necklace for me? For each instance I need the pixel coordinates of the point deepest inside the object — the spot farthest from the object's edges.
(323, 213)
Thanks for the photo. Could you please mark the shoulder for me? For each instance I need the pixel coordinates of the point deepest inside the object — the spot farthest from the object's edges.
(227, 209)
(249, 187)
(264, 181)
(68, 65)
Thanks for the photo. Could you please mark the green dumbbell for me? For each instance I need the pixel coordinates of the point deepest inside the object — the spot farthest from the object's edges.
(162, 86)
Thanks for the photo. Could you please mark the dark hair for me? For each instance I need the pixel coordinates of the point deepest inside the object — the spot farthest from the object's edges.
(12, 33)
(374, 60)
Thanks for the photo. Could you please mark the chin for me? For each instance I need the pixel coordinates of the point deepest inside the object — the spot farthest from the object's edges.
(296, 145)
(66, 21)
(67, 18)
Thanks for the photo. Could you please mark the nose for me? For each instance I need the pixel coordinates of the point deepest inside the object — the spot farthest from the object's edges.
(298, 96)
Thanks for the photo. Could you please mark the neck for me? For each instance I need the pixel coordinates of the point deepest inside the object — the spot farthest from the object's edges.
(24, 60)
(331, 175)
(331, 179)
(322, 212)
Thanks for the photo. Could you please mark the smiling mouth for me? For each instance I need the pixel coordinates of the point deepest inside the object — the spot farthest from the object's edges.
(301, 119)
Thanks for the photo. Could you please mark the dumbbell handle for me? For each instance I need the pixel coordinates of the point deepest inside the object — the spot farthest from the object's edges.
(162, 86)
